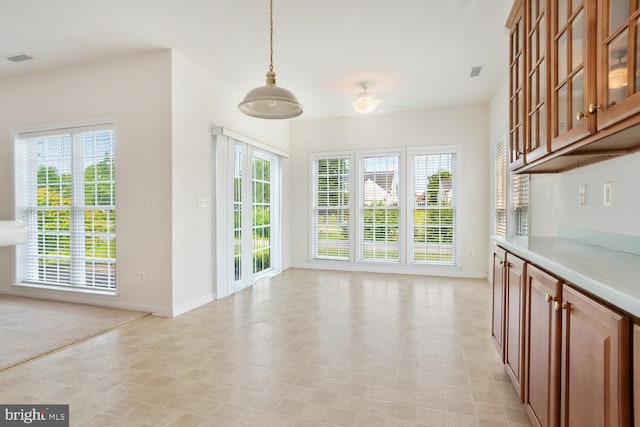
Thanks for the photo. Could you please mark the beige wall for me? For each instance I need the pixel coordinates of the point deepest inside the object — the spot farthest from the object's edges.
(136, 92)
(201, 101)
(466, 127)
(164, 108)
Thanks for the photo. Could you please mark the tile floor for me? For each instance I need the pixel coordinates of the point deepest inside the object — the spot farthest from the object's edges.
(307, 348)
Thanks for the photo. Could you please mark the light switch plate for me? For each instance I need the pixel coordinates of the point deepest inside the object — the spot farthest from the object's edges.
(608, 194)
(582, 195)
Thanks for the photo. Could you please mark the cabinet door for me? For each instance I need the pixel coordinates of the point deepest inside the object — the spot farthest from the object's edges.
(517, 101)
(595, 363)
(542, 348)
(573, 71)
(636, 374)
(514, 355)
(619, 62)
(499, 292)
(537, 69)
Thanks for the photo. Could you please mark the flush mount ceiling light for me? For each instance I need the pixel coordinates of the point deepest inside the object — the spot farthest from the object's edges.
(270, 101)
(366, 102)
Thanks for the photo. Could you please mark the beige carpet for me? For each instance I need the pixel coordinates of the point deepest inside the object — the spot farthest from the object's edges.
(33, 327)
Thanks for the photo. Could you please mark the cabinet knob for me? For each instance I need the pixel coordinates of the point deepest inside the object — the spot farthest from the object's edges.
(520, 153)
(580, 115)
(562, 306)
(501, 262)
(549, 298)
(594, 108)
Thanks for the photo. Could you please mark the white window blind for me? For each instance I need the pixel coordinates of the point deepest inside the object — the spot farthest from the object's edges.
(331, 212)
(519, 205)
(379, 210)
(66, 194)
(434, 209)
(501, 189)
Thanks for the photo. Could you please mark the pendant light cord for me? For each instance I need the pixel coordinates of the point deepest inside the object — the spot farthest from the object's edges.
(270, 35)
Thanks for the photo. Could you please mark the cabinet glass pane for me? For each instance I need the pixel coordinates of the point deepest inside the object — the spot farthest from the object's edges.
(534, 132)
(575, 4)
(542, 81)
(562, 13)
(533, 91)
(636, 70)
(577, 45)
(562, 110)
(534, 10)
(520, 70)
(618, 72)
(521, 106)
(542, 36)
(534, 48)
(577, 97)
(542, 125)
(562, 57)
(618, 13)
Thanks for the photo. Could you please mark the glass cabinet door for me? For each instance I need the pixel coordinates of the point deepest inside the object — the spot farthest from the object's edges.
(537, 73)
(618, 75)
(517, 102)
(572, 76)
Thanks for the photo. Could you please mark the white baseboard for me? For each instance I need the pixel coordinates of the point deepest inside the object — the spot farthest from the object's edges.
(194, 303)
(79, 298)
(396, 269)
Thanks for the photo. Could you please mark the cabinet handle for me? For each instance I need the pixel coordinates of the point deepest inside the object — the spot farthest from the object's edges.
(580, 115)
(501, 262)
(562, 306)
(594, 108)
(549, 298)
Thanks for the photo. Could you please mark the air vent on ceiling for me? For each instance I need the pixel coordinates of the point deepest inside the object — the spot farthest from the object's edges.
(19, 57)
(475, 71)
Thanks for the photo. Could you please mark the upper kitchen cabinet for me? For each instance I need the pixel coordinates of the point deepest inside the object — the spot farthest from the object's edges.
(517, 72)
(528, 24)
(537, 71)
(574, 82)
(619, 61)
(573, 75)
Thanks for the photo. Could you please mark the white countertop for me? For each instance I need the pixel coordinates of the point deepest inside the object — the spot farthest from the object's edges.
(608, 274)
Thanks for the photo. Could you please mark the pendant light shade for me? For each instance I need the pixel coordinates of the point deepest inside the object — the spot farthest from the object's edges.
(270, 101)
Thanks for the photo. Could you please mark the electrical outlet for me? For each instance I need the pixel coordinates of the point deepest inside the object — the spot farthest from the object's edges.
(608, 194)
(141, 277)
(582, 195)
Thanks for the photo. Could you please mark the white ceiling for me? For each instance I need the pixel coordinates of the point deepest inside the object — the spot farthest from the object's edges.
(413, 53)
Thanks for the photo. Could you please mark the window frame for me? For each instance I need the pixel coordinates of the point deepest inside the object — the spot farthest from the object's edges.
(314, 158)
(25, 175)
(455, 165)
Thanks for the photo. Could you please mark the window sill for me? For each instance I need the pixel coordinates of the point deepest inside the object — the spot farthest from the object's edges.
(76, 290)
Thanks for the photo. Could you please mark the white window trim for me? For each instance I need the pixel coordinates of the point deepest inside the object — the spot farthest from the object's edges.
(20, 251)
(313, 158)
(436, 149)
(405, 176)
(360, 156)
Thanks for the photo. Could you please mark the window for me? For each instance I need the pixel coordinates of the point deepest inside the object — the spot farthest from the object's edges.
(519, 205)
(65, 191)
(501, 189)
(433, 231)
(261, 209)
(331, 213)
(379, 208)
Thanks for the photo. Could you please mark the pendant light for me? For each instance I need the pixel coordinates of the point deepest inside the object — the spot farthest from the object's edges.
(366, 102)
(270, 101)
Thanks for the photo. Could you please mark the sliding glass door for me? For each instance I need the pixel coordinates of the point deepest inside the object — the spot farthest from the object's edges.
(255, 214)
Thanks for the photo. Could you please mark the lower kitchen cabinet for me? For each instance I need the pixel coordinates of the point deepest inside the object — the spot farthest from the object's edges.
(542, 347)
(636, 374)
(568, 354)
(499, 293)
(595, 388)
(514, 320)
